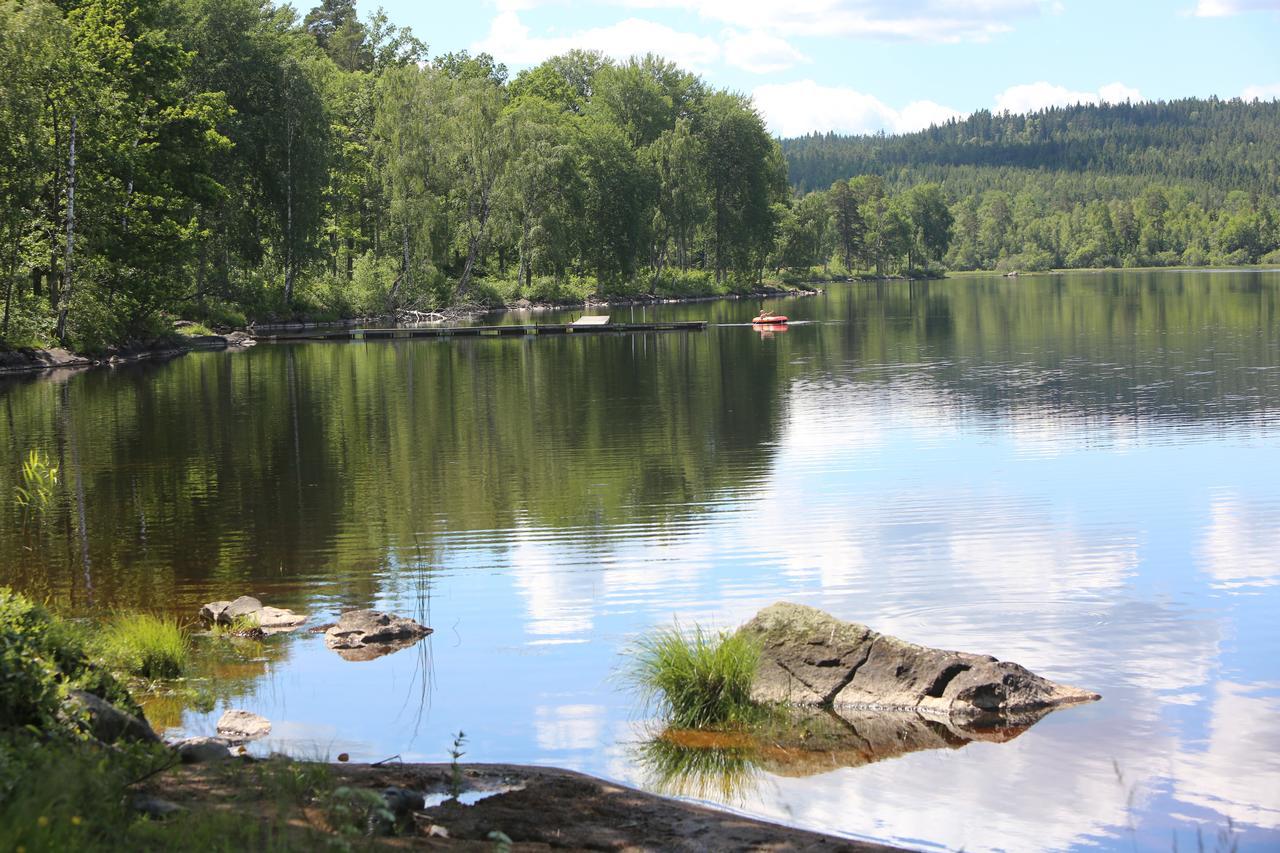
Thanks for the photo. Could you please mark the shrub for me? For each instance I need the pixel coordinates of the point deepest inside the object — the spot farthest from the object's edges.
(146, 645)
(698, 679)
(41, 658)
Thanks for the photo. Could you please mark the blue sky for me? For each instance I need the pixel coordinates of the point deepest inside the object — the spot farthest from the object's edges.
(897, 65)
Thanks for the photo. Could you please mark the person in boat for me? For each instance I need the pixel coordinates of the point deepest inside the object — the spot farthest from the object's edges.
(762, 316)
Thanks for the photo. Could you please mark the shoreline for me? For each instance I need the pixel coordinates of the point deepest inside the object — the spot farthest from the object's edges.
(25, 361)
(533, 806)
(29, 360)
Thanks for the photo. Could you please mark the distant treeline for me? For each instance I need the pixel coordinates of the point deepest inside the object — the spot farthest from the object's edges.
(1182, 182)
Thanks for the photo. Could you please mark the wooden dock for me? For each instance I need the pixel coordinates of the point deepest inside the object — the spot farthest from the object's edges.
(478, 331)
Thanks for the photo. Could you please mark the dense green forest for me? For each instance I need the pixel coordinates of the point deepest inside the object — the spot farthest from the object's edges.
(227, 160)
(1193, 181)
(224, 158)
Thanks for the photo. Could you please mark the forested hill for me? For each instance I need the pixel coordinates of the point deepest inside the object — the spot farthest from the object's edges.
(1212, 145)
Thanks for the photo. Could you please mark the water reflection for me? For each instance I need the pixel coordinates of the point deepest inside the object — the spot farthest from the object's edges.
(728, 766)
(1073, 473)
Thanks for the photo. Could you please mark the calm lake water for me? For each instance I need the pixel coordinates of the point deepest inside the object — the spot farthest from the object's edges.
(1077, 473)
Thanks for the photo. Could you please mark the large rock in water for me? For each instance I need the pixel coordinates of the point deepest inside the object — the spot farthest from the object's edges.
(809, 657)
(367, 634)
(236, 726)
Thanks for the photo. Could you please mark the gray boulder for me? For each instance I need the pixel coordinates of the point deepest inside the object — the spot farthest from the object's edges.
(238, 726)
(809, 657)
(108, 723)
(367, 634)
(271, 620)
(154, 807)
(202, 750)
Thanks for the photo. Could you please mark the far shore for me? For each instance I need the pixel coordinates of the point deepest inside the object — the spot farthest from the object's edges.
(25, 361)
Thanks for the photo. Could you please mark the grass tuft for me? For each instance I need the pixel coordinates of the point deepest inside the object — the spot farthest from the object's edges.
(241, 626)
(697, 679)
(146, 645)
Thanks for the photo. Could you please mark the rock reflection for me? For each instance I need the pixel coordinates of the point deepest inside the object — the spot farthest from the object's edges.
(727, 766)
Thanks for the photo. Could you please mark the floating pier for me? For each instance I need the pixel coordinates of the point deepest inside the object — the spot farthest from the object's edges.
(579, 328)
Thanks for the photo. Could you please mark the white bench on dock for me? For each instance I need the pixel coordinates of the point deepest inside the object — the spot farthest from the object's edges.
(592, 320)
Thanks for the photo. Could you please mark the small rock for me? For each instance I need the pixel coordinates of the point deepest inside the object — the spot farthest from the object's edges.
(211, 613)
(270, 620)
(367, 634)
(108, 723)
(202, 750)
(236, 725)
(154, 807)
(239, 339)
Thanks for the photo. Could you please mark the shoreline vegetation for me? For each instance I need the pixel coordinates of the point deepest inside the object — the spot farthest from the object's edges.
(189, 337)
(228, 160)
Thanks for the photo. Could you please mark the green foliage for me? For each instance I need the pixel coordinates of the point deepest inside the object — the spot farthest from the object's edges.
(41, 658)
(455, 775)
(62, 797)
(146, 645)
(240, 626)
(67, 796)
(697, 679)
(357, 811)
(39, 479)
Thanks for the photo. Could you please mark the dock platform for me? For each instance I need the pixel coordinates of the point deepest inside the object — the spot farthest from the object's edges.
(477, 331)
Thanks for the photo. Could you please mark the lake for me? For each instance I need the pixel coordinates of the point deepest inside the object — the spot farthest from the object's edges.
(1078, 473)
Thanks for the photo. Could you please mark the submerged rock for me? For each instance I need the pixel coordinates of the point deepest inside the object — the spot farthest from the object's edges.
(236, 726)
(809, 657)
(270, 620)
(108, 723)
(367, 634)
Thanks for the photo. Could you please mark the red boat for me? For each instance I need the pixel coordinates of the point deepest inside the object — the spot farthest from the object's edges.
(770, 320)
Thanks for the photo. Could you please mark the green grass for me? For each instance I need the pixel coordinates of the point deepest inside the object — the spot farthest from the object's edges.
(697, 679)
(146, 645)
(194, 329)
(240, 626)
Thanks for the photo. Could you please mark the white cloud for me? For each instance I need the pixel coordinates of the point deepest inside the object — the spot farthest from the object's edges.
(510, 40)
(923, 20)
(1029, 97)
(1269, 92)
(1223, 8)
(760, 53)
(792, 109)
